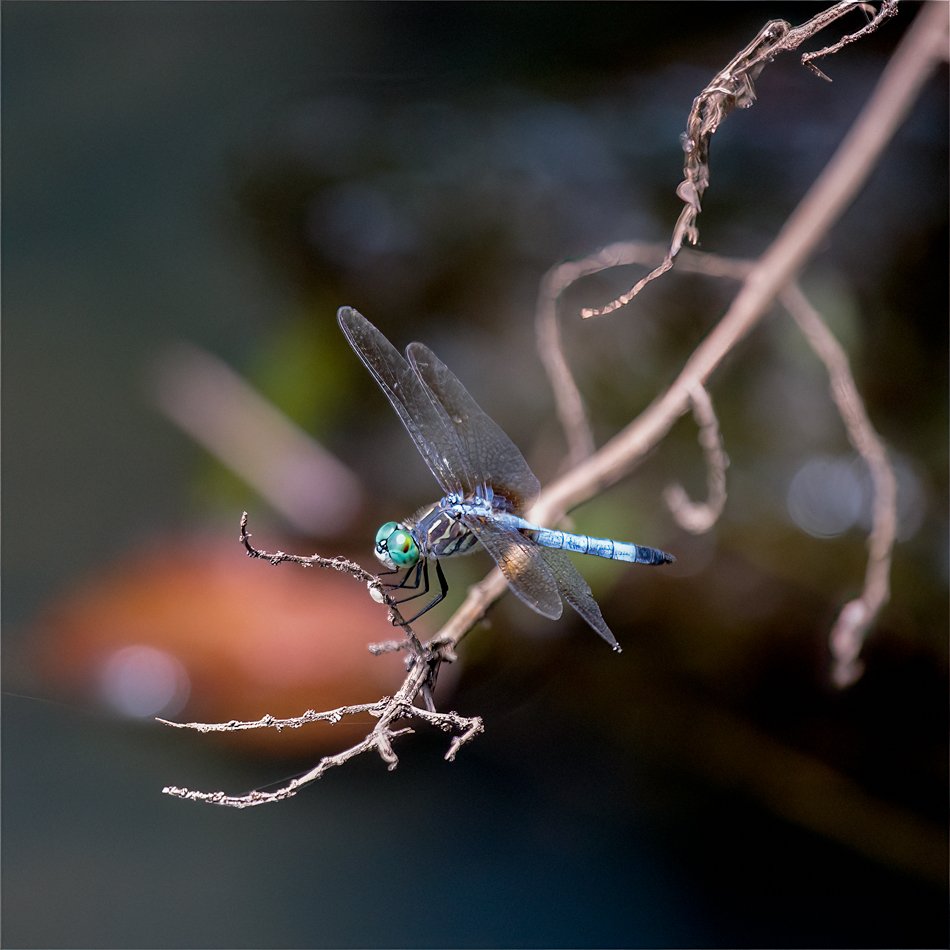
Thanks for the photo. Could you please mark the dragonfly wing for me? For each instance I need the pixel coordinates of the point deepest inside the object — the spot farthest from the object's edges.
(491, 458)
(576, 591)
(522, 563)
(427, 423)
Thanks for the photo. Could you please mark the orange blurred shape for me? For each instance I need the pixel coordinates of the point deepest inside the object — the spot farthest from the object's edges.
(197, 631)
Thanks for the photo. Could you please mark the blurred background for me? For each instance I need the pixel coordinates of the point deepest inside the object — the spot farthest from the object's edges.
(190, 191)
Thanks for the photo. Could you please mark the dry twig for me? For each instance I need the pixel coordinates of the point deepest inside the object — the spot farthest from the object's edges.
(699, 517)
(731, 88)
(921, 50)
(762, 283)
(567, 397)
(421, 670)
(851, 627)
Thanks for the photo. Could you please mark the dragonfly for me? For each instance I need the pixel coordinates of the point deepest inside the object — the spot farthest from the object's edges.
(486, 484)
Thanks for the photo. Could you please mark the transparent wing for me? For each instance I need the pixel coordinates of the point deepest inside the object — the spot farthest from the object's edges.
(491, 458)
(576, 591)
(425, 420)
(523, 565)
(465, 449)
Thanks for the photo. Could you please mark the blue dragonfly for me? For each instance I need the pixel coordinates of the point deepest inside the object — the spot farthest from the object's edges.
(487, 485)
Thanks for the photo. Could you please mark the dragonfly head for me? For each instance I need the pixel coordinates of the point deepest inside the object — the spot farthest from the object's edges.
(396, 547)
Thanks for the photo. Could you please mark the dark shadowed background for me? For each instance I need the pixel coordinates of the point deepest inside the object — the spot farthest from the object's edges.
(225, 176)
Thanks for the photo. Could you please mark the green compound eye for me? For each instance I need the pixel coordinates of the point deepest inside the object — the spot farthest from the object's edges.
(384, 532)
(395, 546)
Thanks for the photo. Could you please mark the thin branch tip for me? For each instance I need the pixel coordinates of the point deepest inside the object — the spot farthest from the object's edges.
(734, 87)
(700, 517)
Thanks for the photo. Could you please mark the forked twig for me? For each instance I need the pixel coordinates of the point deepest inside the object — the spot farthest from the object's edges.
(376, 588)
(421, 670)
(921, 49)
(567, 396)
(762, 283)
(731, 88)
(387, 710)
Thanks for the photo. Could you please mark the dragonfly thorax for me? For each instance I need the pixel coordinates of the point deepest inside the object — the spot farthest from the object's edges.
(396, 547)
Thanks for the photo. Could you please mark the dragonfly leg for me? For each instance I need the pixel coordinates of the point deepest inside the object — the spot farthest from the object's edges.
(410, 580)
(443, 590)
(421, 569)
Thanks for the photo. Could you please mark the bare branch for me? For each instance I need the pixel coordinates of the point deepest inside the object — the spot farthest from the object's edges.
(820, 21)
(921, 49)
(851, 628)
(695, 517)
(422, 666)
(377, 590)
(313, 560)
(762, 283)
(731, 88)
(387, 710)
(378, 739)
(567, 397)
(270, 722)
